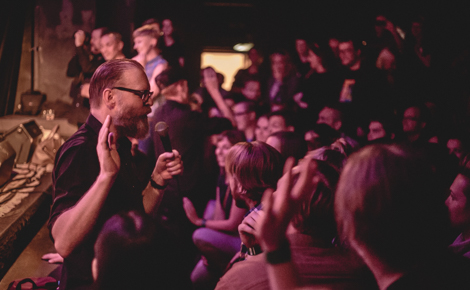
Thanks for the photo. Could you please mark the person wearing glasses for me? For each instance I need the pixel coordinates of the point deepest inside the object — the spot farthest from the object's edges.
(96, 175)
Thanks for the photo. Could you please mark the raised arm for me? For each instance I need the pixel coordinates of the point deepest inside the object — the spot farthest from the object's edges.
(212, 86)
(279, 208)
(72, 226)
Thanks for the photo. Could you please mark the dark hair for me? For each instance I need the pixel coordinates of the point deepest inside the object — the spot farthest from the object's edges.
(233, 136)
(316, 216)
(124, 252)
(292, 144)
(256, 166)
(286, 115)
(116, 35)
(107, 75)
(325, 54)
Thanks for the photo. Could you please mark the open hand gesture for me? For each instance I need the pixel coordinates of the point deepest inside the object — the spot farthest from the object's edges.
(108, 156)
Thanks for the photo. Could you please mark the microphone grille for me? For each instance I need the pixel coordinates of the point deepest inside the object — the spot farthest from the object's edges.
(161, 128)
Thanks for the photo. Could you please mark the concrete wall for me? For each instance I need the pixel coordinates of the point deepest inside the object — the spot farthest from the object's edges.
(55, 23)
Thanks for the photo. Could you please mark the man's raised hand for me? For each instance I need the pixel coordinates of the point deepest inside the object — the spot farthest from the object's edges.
(108, 156)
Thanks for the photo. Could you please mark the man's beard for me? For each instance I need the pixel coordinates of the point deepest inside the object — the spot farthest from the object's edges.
(135, 127)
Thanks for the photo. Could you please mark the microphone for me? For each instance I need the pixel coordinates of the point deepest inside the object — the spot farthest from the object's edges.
(161, 128)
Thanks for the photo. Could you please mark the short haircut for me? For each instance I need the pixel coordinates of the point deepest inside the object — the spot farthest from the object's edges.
(357, 44)
(286, 115)
(387, 201)
(233, 136)
(316, 216)
(256, 166)
(124, 250)
(168, 77)
(116, 35)
(146, 30)
(107, 75)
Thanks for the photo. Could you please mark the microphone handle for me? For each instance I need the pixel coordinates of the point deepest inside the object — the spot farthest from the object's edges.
(166, 143)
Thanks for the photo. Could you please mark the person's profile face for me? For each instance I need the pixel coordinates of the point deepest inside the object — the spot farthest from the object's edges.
(456, 202)
(143, 44)
(130, 112)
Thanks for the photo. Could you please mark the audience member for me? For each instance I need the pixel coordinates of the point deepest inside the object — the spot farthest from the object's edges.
(301, 60)
(382, 129)
(390, 211)
(189, 133)
(81, 67)
(111, 45)
(321, 83)
(245, 118)
(283, 83)
(298, 221)
(262, 128)
(172, 48)
(459, 213)
(253, 71)
(280, 121)
(251, 168)
(125, 253)
(289, 144)
(320, 135)
(210, 85)
(148, 54)
(217, 240)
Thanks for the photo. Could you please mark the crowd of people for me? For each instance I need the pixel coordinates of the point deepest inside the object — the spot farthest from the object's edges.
(329, 168)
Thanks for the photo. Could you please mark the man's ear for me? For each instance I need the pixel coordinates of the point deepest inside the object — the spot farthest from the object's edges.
(121, 45)
(290, 129)
(108, 98)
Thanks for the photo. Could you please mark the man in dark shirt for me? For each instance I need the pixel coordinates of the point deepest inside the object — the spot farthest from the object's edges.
(96, 175)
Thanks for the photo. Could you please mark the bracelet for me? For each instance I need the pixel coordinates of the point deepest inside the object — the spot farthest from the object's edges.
(156, 185)
(279, 256)
(203, 224)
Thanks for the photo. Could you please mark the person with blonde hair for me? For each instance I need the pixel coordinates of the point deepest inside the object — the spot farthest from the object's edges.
(148, 54)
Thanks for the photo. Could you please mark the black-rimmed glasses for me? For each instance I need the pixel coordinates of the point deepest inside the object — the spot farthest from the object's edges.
(143, 94)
